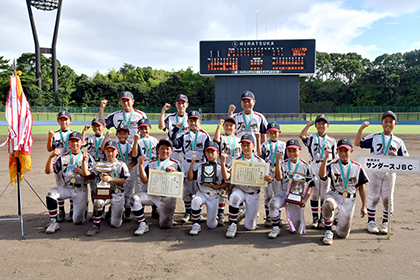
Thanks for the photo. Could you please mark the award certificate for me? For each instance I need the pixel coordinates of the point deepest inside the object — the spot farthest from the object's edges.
(249, 173)
(164, 183)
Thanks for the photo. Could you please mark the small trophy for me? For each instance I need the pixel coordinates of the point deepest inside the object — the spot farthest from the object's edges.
(296, 189)
(209, 172)
(103, 189)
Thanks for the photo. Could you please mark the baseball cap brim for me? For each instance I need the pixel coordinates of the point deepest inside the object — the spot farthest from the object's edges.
(273, 128)
(164, 142)
(193, 117)
(144, 124)
(75, 137)
(247, 97)
(183, 99)
(63, 116)
(101, 124)
(321, 119)
(111, 146)
(345, 146)
(212, 148)
(294, 147)
(247, 140)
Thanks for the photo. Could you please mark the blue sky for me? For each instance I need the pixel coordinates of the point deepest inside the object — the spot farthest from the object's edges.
(104, 34)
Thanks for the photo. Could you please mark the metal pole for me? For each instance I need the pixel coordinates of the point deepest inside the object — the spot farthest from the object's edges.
(53, 47)
(37, 48)
(19, 196)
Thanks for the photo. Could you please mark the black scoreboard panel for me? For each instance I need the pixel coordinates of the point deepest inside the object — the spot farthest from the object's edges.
(257, 57)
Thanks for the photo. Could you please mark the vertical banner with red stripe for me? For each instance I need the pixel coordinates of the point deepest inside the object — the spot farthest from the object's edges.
(19, 119)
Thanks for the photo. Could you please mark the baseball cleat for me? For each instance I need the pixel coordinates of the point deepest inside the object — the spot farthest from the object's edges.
(52, 226)
(127, 214)
(231, 230)
(221, 221)
(196, 228)
(315, 223)
(268, 222)
(93, 230)
(371, 227)
(274, 232)
(384, 228)
(142, 229)
(186, 218)
(328, 238)
(61, 217)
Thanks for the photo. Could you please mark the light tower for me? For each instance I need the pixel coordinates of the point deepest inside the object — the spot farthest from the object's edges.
(45, 5)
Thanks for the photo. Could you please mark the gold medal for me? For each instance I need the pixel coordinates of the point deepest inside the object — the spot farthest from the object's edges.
(273, 169)
(73, 180)
(345, 194)
(212, 193)
(117, 190)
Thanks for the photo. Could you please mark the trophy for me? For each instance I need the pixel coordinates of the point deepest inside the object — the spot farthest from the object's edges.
(296, 189)
(209, 172)
(103, 189)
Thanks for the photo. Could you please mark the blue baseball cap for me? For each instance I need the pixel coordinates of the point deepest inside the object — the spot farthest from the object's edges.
(123, 127)
(211, 145)
(144, 122)
(164, 141)
(322, 117)
(111, 144)
(293, 143)
(345, 143)
(194, 114)
(230, 119)
(248, 137)
(182, 97)
(99, 121)
(64, 114)
(126, 94)
(247, 95)
(75, 135)
(389, 113)
(273, 126)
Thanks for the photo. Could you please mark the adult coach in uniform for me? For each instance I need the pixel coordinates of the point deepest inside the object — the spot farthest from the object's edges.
(128, 116)
(249, 121)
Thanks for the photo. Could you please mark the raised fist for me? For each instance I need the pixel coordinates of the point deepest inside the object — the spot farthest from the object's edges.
(223, 157)
(86, 127)
(221, 121)
(166, 107)
(232, 108)
(103, 103)
(51, 133)
(365, 124)
(136, 137)
(310, 123)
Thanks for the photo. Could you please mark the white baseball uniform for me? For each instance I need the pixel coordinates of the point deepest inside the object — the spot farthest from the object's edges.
(170, 123)
(125, 156)
(130, 119)
(252, 123)
(146, 147)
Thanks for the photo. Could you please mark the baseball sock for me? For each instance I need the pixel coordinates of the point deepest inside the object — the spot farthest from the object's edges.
(221, 209)
(187, 207)
(97, 218)
(52, 207)
(384, 216)
(371, 215)
(140, 215)
(328, 225)
(314, 209)
(266, 210)
(233, 214)
(61, 206)
(276, 221)
(196, 215)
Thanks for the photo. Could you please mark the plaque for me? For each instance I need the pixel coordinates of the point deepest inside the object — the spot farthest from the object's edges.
(249, 173)
(103, 192)
(208, 173)
(296, 189)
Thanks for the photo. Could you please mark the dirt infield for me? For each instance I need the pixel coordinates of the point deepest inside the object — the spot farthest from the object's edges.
(173, 253)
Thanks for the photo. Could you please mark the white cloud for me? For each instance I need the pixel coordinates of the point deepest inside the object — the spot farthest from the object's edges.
(395, 8)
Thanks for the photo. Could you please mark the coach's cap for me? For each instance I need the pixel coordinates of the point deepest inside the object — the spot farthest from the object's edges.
(98, 120)
(75, 135)
(126, 94)
(144, 122)
(293, 143)
(389, 113)
(322, 118)
(230, 119)
(247, 95)
(111, 144)
(273, 126)
(164, 141)
(182, 97)
(211, 145)
(123, 127)
(345, 143)
(194, 114)
(64, 114)
(248, 137)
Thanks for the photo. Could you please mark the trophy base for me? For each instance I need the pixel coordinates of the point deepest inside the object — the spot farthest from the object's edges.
(293, 198)
(103, 193)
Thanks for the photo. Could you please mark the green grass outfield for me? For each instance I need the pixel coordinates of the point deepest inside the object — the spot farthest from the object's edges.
(286, 128)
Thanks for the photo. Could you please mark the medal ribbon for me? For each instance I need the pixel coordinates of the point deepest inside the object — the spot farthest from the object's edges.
(232, 148)
(122, 154)
(383, 143)
(252, 159)
(345, 179)
(248, 125)
(148, 149)
(129, 120)
(296, 167)
(164, 163)
(273, 155)
(118, 163)
(323, 145)
(71, 166)
(97, 145)
(182, 125)
(193, 143)
(62, 140)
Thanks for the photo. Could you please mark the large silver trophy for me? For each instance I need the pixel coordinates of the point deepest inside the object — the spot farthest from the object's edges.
(296, 189)
(103, 189)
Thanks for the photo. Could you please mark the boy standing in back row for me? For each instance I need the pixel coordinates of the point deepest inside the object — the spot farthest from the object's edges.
(385, 143)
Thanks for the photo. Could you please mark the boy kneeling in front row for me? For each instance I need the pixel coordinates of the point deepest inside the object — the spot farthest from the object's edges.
(346, 177)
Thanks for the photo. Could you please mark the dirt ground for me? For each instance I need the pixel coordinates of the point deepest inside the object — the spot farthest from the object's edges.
(174, 254)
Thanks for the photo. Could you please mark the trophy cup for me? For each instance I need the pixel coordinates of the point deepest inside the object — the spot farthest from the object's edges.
(296, 189)
(103, 189)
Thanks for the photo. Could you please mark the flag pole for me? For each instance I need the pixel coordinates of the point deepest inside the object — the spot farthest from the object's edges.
(19, 190)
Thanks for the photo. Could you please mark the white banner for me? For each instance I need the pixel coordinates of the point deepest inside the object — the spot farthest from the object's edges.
(409, 165)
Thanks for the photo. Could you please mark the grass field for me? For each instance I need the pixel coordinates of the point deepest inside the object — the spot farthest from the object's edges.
(289, 128)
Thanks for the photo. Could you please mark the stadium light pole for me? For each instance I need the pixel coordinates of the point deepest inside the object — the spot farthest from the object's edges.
(45, 5)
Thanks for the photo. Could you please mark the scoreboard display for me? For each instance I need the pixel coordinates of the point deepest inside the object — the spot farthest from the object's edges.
(257, 57)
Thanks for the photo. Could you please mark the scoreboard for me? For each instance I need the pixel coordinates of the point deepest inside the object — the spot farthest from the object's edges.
(257, 57)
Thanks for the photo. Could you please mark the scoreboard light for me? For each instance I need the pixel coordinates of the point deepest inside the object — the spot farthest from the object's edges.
(257, 57)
